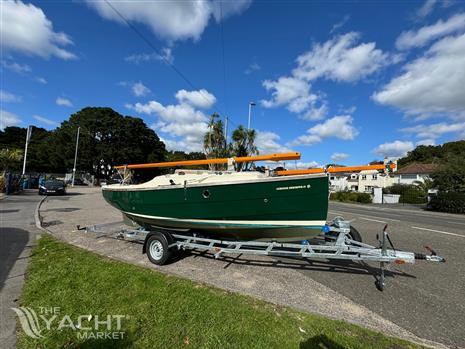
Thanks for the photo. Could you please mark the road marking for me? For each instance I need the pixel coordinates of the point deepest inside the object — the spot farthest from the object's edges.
(439, 231)
(364, 215)
(373, 220)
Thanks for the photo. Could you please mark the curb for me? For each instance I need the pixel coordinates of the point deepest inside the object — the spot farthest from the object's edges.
(37, 217)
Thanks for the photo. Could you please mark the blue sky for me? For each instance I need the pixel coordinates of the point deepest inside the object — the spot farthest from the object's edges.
(344, 82)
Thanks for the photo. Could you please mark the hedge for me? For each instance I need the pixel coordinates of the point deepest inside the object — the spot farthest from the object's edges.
(351, 196)
(452, 202)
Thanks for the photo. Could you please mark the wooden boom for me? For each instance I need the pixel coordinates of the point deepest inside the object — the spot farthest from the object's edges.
(271, 157)
(336, 169)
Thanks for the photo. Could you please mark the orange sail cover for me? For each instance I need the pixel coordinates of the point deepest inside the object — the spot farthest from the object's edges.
(271, 157)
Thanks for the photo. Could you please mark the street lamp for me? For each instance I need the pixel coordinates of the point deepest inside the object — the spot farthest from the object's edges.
(75, 155)
(251, 104)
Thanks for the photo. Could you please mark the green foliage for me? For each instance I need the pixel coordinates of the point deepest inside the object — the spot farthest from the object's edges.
(448, 202)
(410, 193)
(243, 144)
(164, 311)
(106, 139)
(10, 159)
(433, 154)
(214, 140)
(450, 176)
(351, 196)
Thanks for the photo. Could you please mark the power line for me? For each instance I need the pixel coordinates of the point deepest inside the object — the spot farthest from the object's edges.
(157, 51)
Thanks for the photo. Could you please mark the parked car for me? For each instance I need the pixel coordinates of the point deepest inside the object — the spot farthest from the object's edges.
(51, 187)
(78, 181)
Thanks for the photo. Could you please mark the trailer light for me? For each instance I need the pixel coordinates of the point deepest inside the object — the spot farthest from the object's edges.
(400, 261)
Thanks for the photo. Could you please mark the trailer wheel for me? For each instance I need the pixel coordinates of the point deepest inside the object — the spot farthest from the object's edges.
(354, 234)
(157, 249)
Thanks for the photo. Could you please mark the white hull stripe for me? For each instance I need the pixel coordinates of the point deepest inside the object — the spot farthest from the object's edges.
(235, 222)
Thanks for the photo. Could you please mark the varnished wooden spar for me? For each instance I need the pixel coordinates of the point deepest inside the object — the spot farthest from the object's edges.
(336, 169)
(271, 157)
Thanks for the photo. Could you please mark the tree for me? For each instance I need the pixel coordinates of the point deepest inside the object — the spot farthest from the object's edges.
(10, 159)
(106, 139)
(450, 176)
(37, 159)
(243, 145)
(214, 141)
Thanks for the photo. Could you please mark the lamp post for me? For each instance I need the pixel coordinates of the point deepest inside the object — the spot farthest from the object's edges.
(75, 155)
(28, 139)
(251, 104)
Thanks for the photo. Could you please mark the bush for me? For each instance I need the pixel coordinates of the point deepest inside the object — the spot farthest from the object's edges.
(409, 193)
(452, 202)
(350, 196)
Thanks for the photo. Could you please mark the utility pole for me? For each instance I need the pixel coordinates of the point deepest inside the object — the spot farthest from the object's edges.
(251, 104)
(75, 155)
(226, 131)
(28, 139)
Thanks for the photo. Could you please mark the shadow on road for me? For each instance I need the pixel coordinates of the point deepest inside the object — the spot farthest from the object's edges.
(12, 243)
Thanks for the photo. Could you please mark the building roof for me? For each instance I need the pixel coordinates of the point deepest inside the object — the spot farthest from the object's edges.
(417, 169)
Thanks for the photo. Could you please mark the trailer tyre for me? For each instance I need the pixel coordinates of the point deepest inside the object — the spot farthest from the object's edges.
(354, 234)
(157, 249)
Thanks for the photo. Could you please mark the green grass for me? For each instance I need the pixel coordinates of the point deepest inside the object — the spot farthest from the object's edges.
(169, 312)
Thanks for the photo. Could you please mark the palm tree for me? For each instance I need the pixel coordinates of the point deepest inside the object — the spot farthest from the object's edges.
(243, 145)
(10, 158)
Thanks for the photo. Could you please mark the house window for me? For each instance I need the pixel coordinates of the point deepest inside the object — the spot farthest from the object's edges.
(331, 178)
(375, 176)
(364, 177)
(409, 176)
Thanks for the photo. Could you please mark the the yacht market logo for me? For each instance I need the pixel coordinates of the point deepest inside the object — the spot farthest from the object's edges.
(86, 326)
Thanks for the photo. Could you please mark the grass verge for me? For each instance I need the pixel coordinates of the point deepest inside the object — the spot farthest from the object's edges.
(163, 311)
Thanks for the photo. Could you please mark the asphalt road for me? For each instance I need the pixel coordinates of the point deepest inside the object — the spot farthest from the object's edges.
(17, 234)
(426, 298)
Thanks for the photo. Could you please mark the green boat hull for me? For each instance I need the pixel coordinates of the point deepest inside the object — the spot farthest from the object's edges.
(284, 209)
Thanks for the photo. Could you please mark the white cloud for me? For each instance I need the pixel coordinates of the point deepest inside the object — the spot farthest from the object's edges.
(394, 149)
(268, 143)
(26, 29)
(339, 24)
(8, 119)
(6, 97)
(16, 67)
(253, 67)
(294, 93)
(45, 121)
(424, 35)
(431, 84)
(426, 8)
(339, 156)
(171, 20)
(338, 127)
(434, 131)
(316, 113)
(182, 125)
(198, 99)
(166, 55)
(426, 142)
(41, 80)
(305, 165)
(63, 102)
(139, 89)
(341, 59)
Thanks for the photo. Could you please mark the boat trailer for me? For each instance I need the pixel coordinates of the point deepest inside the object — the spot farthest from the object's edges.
(341, 242)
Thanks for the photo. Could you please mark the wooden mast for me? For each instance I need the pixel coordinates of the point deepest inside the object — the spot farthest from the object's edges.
(271, 157)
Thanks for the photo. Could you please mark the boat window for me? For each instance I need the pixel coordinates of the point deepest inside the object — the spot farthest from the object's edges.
(206, 194)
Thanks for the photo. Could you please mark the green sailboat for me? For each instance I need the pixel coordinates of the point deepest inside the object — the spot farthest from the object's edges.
(227, 204)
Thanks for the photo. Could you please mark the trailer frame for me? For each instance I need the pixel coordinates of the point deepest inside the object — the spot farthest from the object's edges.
(339, 243)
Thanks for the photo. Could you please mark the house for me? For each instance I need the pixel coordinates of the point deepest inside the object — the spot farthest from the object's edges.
(414, 172)
(338, 182)
(370, 179)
